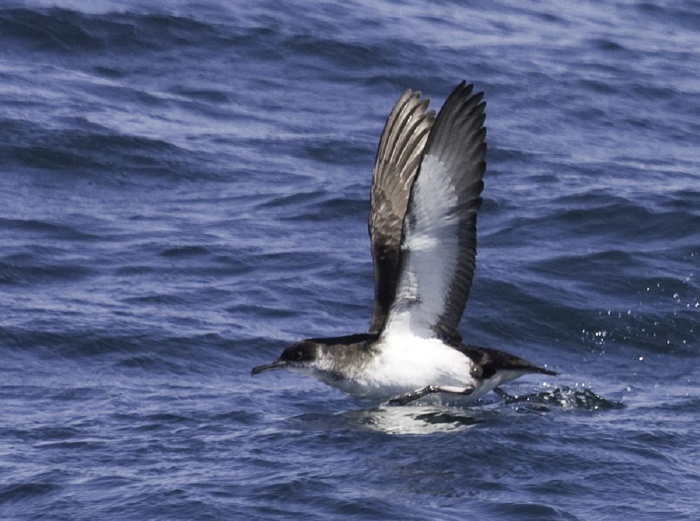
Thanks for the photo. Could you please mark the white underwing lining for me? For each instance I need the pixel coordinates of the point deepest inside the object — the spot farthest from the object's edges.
(431, 249)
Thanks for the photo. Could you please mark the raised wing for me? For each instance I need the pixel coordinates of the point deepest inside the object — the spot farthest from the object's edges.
(398, 157)
(438, 249)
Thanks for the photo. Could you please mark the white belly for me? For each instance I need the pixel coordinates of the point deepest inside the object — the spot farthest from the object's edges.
(404, 364)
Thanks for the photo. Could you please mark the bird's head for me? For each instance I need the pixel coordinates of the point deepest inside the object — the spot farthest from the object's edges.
(302, 355)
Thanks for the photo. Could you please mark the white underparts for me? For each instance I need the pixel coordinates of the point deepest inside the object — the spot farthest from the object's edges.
(404, 363)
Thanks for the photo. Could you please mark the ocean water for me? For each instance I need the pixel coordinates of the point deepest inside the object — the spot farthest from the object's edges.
(184, 192)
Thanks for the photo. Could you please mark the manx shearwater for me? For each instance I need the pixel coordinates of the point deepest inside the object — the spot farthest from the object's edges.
(424, 200)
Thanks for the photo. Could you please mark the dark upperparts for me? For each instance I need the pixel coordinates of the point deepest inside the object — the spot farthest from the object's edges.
(357, 338)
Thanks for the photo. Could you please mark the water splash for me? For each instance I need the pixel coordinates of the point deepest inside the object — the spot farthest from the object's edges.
(566, 398)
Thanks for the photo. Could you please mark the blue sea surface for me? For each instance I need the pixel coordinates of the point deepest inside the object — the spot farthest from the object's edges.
(184, 192)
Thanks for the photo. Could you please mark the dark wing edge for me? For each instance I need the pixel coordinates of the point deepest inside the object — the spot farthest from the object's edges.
(459, 140)
(397, 161)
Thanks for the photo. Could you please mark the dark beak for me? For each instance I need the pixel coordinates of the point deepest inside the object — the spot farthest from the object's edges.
(279, 364)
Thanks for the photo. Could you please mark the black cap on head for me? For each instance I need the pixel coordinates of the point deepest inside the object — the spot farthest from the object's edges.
(295, 355)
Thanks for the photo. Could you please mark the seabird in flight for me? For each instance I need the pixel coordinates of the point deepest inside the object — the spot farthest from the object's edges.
(422, 224)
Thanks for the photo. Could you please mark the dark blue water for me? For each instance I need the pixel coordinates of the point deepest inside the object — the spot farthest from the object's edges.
(184, 191)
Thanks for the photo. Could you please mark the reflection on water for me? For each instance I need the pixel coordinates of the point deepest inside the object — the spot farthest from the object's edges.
(418, 419)
(436, 416)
